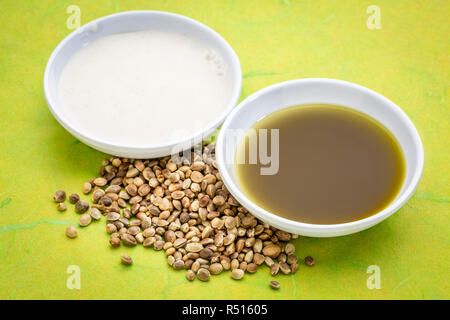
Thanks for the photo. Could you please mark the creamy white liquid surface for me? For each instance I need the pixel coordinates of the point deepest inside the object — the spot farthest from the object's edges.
(143, 88)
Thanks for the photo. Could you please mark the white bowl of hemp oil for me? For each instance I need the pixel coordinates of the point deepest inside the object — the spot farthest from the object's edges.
(319, 157)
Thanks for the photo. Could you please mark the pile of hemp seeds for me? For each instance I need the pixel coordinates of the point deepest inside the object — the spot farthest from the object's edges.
(180, 205)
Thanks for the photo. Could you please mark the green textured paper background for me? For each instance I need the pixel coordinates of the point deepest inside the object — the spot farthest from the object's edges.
(407, 61)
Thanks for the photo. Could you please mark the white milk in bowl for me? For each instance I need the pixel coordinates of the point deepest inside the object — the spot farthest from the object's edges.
(144, 88)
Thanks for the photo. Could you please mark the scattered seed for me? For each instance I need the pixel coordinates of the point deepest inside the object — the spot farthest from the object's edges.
(106, 201)
(275, 285)
(274, 269)
(74, 198)
(219, 200)
(271, 250)
(158, 245)
(128, 239)
(111, 228)
(178, 264)
(183, 208)
(197, 176)
(126, 259)
(215, 268)
(95, 213)
(178, 243)
(309, 261)
(291, 259)
(71, 232)
(194, 247)
(100, 182)
(85, 220)
(283, 235)
(289, 249)
(284, 267)
(140, 238)
(113, 216)
(269, 261)
(59, 196)
(206, 253)
(116, 162)
(87, 188)
(148, 242)
(113, 189)
(237, 274)
(61, 207)
(190, 275)
(203, 274)
(134, 230)
(133, 172)
(81, 206)
(259, 259)
(97, 195)
(114, 241)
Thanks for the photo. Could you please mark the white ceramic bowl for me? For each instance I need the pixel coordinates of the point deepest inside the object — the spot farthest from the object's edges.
(304, 91)
(134, 21)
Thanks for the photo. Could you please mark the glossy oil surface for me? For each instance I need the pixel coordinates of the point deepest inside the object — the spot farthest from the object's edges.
(336, 165)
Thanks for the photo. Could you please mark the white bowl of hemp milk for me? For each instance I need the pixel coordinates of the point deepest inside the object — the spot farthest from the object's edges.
(142, 84)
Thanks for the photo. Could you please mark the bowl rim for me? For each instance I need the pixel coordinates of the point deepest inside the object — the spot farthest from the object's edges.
(292, 224)
(235, 84)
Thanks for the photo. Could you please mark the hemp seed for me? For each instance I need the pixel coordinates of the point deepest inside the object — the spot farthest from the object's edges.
(61, 207)
(291, 259)
(59, 196)
(203, 274)
(294, 267)
(252, 267)
(71, 232)
(194, 247)
(275, 285)
(114, 241)
(81, 206)
(309, 261)
(112, 216)
(84, 220)
(111, 228)
(126, 260)
(100, 182)
(97, 195)
(215, 268)
(284, 267)
(128, 239)
(181, 205)
(74, 198)
(95, 213)
(158, 245)
(190, 275)
(274, 269)
(178, 264)
(237, 274)
(271, 250)
(87, 187)
(289, 249)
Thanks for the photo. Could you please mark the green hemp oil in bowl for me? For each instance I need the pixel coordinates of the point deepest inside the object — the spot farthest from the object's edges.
(335, 164)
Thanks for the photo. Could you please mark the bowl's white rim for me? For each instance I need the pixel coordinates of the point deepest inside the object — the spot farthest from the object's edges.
(341, 227)
(235, 86)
